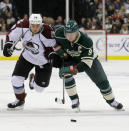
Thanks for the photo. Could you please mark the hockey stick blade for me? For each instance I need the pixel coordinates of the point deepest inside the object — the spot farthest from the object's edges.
(60, 101)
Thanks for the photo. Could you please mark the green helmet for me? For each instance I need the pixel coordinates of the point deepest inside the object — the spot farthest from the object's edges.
(71, 26)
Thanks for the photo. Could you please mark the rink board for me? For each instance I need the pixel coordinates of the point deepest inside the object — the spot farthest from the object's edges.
(117, 47)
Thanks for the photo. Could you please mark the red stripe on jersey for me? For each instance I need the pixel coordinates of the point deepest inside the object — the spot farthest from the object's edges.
(47, 31)
(21, 24)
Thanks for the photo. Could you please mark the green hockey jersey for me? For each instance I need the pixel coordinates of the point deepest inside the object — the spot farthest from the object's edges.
(81, 51)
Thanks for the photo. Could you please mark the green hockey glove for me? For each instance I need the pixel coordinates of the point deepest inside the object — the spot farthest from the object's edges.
(68, 70)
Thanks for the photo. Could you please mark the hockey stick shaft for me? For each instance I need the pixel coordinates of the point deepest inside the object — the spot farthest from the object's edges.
(59, 100)
(64, 76)
(63, 90)
(13, 46)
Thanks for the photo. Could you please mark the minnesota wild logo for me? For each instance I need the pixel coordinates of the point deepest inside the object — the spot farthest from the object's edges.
(79, 49)
(74, 53)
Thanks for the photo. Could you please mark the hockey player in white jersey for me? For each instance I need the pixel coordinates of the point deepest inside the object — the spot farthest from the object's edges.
(38, 42)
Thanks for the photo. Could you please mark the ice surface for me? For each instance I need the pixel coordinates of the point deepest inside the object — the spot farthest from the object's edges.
(41, 113)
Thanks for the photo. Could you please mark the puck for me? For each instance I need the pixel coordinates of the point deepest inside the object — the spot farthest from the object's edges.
(55, 99)
(73, 120)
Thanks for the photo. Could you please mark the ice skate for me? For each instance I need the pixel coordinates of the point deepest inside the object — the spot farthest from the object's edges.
(116, 105)
(76, 105)
(18, 104)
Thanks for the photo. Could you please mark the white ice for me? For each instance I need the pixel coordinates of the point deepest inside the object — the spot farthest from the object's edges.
(41, 113)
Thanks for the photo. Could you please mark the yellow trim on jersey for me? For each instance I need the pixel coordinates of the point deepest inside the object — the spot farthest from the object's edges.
(9, 58)
(118, 57)
(79, 35)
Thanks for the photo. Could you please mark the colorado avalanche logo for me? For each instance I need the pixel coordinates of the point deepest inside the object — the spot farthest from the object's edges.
(31, 46)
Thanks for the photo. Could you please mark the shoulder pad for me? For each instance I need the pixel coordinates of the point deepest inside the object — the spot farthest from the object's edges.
(47, 31)
(23, 23)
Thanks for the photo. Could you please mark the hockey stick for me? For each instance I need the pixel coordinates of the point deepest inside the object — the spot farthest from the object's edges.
(59, 100)
(13, 46)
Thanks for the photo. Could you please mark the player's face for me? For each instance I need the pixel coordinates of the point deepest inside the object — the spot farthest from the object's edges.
(35, 28)
(71, 36)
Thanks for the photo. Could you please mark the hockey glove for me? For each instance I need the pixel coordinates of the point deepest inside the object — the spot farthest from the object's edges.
(62, 54)
(58, 49)
(7, 49)
(68, 70)
(55, 60)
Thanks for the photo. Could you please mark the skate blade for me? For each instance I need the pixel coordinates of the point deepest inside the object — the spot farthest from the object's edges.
(76, 110)
(16, 108)
(120, 109)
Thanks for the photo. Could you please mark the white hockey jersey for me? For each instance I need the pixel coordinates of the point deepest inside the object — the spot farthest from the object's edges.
(37, 46)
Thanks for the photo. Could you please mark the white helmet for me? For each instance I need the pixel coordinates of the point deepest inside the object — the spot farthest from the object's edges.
(35, 19)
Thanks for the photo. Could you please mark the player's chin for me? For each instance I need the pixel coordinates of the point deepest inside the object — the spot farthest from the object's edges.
(35, 32)
(71, 40)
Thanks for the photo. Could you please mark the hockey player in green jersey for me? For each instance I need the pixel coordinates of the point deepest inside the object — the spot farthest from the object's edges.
(76, 50)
